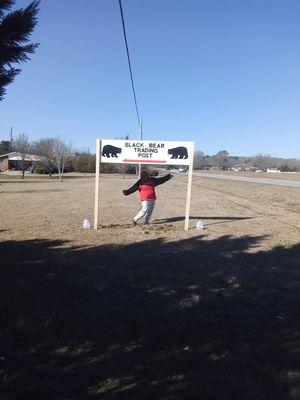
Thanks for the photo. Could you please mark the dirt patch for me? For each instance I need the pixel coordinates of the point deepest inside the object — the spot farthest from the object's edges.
(47, 208)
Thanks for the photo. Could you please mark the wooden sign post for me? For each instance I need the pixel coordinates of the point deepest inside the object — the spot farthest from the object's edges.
(189, 190)
(97, 177)
(145, 152)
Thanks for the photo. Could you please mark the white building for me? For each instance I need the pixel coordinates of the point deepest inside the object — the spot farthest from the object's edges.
(241, 167)
(274, 170)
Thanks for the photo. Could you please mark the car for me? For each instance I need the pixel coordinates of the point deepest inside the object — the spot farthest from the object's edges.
(182, 170)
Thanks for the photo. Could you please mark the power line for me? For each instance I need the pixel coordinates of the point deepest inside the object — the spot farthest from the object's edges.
(129, 65)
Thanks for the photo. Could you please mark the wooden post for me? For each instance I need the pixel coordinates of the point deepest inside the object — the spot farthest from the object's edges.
(97, 176)
(189, 190)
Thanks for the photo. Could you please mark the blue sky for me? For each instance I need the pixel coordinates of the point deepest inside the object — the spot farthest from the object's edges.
(224, 73)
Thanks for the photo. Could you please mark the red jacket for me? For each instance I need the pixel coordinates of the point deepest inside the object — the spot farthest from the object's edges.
(147, 187)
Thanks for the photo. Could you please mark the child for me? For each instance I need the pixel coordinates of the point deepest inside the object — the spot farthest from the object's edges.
(146, 186)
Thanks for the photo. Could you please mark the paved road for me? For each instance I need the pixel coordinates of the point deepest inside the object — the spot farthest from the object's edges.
(264, 181)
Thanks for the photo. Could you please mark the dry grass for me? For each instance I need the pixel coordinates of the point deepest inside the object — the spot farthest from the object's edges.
(149, 313)
(45, 208)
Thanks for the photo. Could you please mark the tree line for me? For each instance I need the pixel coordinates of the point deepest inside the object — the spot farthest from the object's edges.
(49, 155)
(223, 161)
(55, 156)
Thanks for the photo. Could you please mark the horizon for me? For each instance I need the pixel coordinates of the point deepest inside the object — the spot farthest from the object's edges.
(87, 150)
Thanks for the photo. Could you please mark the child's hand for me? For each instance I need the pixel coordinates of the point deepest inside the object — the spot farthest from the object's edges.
(125, 192)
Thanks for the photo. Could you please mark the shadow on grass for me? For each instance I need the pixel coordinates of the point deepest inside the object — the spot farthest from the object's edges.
(192, 319)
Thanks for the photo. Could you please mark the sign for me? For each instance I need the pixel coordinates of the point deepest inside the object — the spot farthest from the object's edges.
(146, 152)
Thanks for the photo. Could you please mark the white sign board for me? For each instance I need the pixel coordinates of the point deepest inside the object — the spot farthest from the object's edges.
(146, 152)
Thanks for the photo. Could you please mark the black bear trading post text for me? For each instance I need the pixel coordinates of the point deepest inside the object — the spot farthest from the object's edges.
(111, 151)
(178, 152)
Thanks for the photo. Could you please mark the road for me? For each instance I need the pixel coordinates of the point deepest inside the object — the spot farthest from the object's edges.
(264, 181)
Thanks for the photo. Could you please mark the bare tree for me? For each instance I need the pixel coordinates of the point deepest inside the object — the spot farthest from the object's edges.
(61, 155)
(22, 146)
(45, 148)
(221, 159)
(199, 161)
(263, 161)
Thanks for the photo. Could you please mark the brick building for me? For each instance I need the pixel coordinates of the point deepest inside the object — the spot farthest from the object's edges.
(11, 161)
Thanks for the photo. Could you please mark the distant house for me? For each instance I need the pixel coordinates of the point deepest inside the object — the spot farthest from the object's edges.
(255, 169)
(241, 167)
(273, 170)
(10, 161)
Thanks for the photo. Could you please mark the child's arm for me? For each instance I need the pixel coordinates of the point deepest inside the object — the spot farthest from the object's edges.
(163, 179)
(132, 189)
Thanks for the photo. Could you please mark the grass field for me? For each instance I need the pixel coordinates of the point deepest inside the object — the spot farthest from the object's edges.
(149, 313)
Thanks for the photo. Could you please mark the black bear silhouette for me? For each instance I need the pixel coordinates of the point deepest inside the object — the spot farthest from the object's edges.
(111, 151)
(178, 152)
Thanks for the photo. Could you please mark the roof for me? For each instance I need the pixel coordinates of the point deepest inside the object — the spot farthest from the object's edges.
(241, 165)
(15, 156)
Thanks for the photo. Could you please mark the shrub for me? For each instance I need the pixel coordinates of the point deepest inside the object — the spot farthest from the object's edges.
(83, 162)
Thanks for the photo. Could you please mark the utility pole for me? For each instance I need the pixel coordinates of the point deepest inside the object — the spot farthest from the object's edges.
(11, 139)
(205, 162)
(141, 133)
